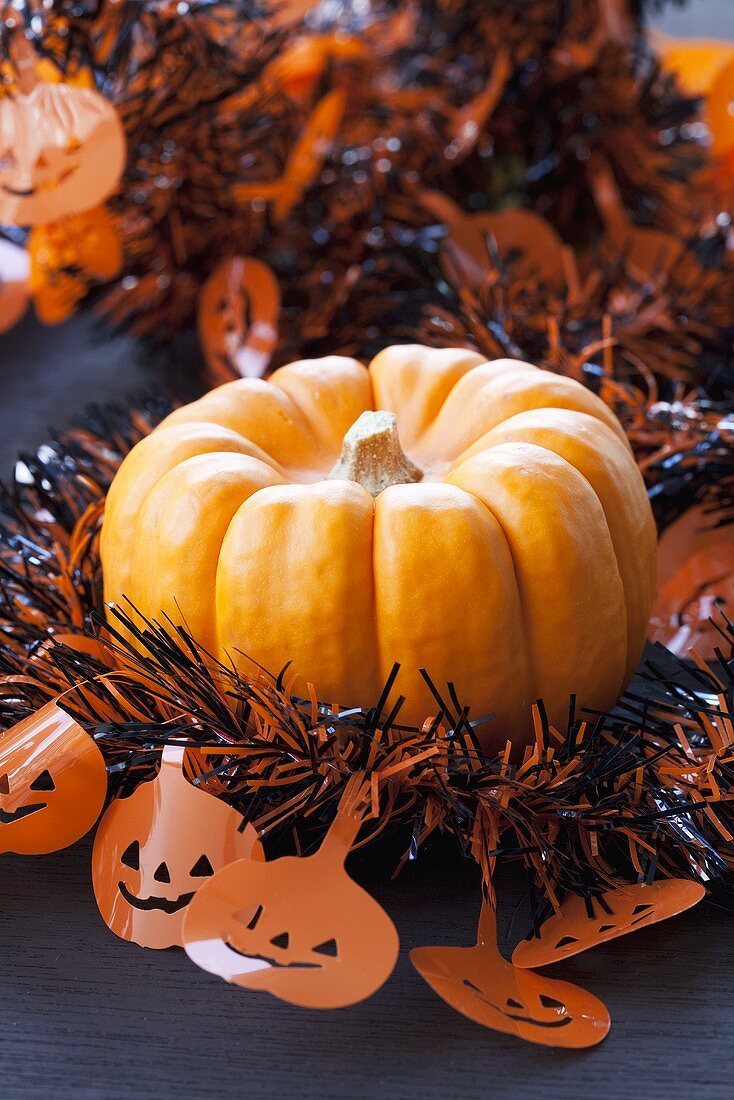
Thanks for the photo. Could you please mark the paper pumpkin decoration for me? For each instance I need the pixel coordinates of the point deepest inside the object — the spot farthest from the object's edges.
(62, 151)
(480, 984)
(695, 579)
(14, 289)
(297, 927)
(521, 237)
(67, 257)
(238, 318)
(53, 782)
(261, 518)
(154, 849)
(578, 928)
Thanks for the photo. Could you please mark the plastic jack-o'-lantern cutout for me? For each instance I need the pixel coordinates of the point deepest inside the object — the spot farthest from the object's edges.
(578, 927)
(238, 318)
(53, 783)
(480, 984)
(520, 236)
(62, 147)
(297, 927)
(695, 579)
(154, 849)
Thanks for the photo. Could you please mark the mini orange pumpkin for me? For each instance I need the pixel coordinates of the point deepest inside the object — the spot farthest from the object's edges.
(511, 549)
(62, 151)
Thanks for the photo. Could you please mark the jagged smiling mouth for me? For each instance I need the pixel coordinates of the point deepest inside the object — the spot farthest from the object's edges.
(272, 962)
(7, 817)
(512, 1016)
(27, 192)
(153, 903)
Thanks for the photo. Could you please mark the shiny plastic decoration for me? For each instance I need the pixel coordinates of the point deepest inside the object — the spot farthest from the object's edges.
(14, 290)
(695, 578)
(154, 849)
(522, 239)
(62, 151)
(578, 928)
(67, 257)
(238, 318)
(53, 783)
(480, 984)
(297, 927)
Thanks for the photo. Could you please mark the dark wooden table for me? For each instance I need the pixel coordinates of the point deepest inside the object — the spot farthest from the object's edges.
(84, 1014)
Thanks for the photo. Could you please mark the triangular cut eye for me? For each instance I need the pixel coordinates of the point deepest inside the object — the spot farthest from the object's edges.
(328, 947)
(550, 1002)
(605, 928)
(640, 909)
(281, 940)
(512, 1003)
(566, 940)
(131, 856)
(201, 868)
(44, 782)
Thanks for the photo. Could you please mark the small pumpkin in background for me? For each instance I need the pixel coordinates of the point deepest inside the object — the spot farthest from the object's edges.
(485, 521)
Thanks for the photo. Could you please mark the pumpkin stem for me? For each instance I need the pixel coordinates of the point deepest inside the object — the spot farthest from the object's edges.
(372, 455)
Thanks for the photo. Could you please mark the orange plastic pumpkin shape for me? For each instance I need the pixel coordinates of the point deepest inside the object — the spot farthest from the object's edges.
(53, 782)
(154, 849)
(480, 984)
(614, 914)
(511, 552)
(62, 151)
(297, 927)
(238, 318)
(695, 578)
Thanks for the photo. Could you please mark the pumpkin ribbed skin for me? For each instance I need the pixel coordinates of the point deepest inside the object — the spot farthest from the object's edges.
(521, 566)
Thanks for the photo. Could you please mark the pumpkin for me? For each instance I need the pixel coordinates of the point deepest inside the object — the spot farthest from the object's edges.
(53, 782)
(153, 850)
(480, 984)
(62, 151)
(297, 927)
(487, 523)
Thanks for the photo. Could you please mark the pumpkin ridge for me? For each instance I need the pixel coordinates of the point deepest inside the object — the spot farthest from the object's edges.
(574, 429)
(518, 460)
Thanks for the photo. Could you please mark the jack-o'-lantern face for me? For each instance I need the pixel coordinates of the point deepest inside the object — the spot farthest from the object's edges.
(580, 926)
(62, 151)
(154, 849)
(480, 984)
(297, 927)
(53, 782)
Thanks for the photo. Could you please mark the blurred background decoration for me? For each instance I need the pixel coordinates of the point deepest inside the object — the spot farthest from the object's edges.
(535, 178)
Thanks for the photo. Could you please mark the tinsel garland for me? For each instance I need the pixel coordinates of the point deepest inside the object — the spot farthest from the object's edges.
(615, 797)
